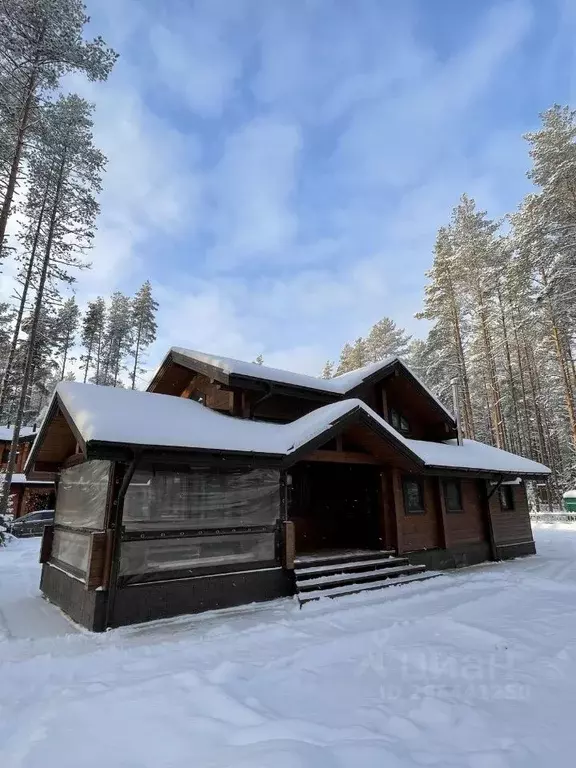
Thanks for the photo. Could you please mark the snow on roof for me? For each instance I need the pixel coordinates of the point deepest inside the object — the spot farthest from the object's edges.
(338, 385)
(19, 479)
(108, 414)
(569, 495)
(6, 433)
(473, 455)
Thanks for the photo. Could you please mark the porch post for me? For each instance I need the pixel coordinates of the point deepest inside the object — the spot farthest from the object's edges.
(398, 502)
(444, 537)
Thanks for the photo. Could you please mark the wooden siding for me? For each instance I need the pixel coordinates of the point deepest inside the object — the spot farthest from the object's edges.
(420, 530)
(468, 526)
(511, 526)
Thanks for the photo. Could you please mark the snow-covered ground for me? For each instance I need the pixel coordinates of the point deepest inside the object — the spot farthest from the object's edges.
(476, 668)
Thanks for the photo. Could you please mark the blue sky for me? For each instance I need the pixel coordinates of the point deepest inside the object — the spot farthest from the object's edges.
(279, 168)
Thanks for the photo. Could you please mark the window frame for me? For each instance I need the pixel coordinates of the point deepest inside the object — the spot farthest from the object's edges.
(399, 422)
(509, 504)
(420, 483)
(458, 483)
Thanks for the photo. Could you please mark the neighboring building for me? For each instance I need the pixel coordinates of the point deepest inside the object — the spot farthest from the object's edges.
(229, 482)
(25, 495)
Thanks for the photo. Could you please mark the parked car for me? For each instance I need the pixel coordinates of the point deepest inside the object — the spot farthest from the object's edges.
(33, 523)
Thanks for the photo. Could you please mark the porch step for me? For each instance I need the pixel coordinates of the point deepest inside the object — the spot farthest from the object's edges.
(351, 566)
(344, 573)
(320, 559)
(353, 589)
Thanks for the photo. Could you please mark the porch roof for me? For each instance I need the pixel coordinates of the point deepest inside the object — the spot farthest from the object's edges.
(108, 415)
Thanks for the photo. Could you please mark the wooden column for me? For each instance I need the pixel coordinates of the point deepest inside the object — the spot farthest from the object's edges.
(398, 501)
(443, 526)
(289, 548)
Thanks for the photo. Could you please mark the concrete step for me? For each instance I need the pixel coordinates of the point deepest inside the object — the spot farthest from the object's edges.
(350, 566)
(319, 559)
(327, 580)
(353, 589)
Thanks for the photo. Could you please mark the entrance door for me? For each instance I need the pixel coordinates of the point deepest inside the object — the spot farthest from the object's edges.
(335, 506)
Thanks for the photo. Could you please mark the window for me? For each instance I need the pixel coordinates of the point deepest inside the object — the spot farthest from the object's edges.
(413, 496)
(399, 422)
(453, 496)
(506, 497)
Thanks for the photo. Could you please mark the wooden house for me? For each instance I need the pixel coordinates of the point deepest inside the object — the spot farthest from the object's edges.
(26, 495)
(229, 482)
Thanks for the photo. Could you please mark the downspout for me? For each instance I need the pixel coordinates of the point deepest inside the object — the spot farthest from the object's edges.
(117, 537)
(260, 400)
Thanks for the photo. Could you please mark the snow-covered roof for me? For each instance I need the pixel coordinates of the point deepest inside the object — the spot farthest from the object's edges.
(473, 455)
(128, 417)
(6, 433)
(19, 479)
(338, 385)
(569, 495)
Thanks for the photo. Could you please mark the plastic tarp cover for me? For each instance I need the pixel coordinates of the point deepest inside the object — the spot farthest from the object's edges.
(71, 548)
(180, 554)
(82, 494)
(202, 498)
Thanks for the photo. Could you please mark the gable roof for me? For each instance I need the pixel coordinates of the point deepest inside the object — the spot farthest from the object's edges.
(228, 370)
(108, 415)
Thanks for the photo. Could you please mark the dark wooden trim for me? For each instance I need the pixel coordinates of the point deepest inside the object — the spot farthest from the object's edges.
(342, 457)
(76, 529)
(96, 560)
(74, 460)
(194, 533)
(67, 568)
(178, 574)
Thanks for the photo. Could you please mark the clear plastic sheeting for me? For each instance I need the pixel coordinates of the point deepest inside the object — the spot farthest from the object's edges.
(71, 549)
(82, 494)
(159, 555)
(202, 498)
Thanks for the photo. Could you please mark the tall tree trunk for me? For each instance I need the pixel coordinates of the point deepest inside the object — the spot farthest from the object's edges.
(17, 157)
(22, 307)
(5, 496)
(88, 358)
(511, 384)
(136, 355)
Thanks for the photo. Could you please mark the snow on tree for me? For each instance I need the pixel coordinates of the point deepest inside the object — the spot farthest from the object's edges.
(40, 42)
(386, 340)
(328, 370)
(65, 329)
(65, 162)
(259, 359)
(144, 328)
(93, 327)
(117, 340)
(353, 356)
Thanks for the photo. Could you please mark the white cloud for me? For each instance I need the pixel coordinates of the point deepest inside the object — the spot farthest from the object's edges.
(250, 191)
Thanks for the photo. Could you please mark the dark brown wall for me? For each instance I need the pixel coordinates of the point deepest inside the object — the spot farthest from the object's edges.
(469, 525)
(513, 526)
(420, 530)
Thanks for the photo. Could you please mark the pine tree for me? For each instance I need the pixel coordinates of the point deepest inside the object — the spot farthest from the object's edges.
(259, 359)
(66, 328)
(386, 340)
(352, 357)
(144, 328)
(65, 161)
(40, 41)
(93, 325)
(328, 370)
(117, 340)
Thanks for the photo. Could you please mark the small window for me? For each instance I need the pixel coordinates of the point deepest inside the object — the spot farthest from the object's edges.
(398, 421)
(453, 495)
(506, 497)
(413, 496)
